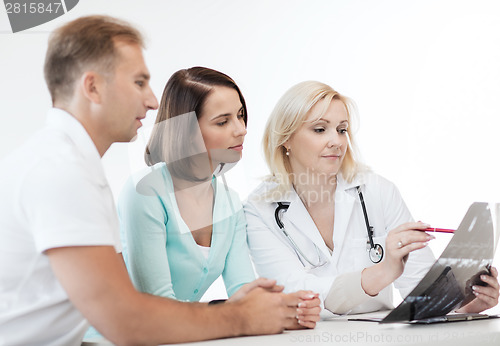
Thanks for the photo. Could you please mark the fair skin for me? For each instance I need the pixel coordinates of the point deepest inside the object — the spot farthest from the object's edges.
(95, 277)
(317, 149)
(223, 126)
(112, 107)
(316, 153)
(223, 130)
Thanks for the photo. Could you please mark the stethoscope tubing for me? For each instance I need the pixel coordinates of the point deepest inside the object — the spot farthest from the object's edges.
(376, 251)
(297, 249)
(365, 214)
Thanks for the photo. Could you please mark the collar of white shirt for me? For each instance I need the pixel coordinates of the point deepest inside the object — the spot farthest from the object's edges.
(290, 195)
(65, 122)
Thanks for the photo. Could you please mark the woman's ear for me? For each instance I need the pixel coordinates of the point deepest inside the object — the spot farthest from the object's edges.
(286, 145)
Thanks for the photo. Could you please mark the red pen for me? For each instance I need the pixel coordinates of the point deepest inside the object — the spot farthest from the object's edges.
(442, 230)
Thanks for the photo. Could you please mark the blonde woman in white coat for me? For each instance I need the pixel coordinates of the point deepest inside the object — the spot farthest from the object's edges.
(319, 240)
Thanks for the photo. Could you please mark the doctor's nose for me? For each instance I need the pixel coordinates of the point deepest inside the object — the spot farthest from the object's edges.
(335, 141)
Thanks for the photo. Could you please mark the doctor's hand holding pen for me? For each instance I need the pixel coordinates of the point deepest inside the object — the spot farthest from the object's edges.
(307, 303)
(399, 243)
(412, 236)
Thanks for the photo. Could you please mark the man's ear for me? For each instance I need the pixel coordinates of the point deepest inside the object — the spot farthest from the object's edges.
(92, 86)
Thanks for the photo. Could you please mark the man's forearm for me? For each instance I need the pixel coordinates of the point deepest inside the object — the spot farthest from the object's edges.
(157, 320)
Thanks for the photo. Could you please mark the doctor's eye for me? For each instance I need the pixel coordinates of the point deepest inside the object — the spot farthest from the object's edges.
(342, 131)
(140, 83)
(222, 123)
(319, 129)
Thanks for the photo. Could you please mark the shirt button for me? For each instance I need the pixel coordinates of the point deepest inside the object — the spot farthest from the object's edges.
(195, 291)
(205, 270)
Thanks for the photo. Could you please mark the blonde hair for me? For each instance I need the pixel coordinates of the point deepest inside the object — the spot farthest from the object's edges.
(288, 116)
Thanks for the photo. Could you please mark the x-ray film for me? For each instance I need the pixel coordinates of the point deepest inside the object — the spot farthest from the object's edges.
(448, 284)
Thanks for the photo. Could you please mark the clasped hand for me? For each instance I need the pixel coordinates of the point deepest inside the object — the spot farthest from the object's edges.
(307, 303)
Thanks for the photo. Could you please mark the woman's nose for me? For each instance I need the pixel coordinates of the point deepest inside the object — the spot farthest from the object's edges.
(334, 141)
(240, 129)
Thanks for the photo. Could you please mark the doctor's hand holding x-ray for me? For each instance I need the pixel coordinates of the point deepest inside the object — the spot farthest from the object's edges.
(323, 221)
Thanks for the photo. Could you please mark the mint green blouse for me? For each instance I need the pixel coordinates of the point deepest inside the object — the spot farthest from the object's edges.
(161, 254)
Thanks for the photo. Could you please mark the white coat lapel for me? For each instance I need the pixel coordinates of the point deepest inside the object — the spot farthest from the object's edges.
(344, 204)
(345, 201)
(298, 217)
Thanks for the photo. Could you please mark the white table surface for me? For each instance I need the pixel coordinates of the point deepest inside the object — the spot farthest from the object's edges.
(339, 331)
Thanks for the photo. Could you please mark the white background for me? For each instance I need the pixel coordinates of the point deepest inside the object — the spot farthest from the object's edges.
(424, 74)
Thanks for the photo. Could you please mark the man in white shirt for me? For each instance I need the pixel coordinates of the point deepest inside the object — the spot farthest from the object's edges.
(59, 236)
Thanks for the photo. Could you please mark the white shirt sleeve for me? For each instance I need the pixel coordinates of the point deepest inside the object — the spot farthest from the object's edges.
(67, 207)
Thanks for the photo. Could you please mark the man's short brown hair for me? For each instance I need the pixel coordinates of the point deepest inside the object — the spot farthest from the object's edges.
(83, 44)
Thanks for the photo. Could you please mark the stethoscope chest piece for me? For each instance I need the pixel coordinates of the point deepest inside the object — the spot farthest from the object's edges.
(376, 253)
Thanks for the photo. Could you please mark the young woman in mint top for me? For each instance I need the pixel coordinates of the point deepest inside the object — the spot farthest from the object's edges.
(182, 226)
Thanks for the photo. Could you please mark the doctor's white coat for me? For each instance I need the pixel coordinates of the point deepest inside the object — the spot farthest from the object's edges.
(274, 256)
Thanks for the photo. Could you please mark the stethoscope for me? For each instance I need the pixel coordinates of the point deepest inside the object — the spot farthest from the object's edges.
(320, 262)
(375, 251)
